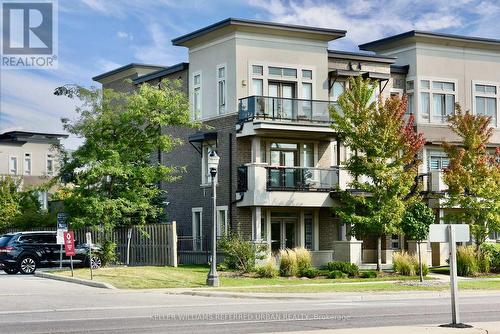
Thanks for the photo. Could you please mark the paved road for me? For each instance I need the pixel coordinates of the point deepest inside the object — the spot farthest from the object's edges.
(36, 305)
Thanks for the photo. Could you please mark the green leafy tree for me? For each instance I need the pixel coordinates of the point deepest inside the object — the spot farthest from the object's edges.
(473, 175)
(415, 226)
(383, 164)
(9, 201)
(111, 178)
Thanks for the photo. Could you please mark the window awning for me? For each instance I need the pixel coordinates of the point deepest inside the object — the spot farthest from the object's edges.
(338, 73)
(198, 138)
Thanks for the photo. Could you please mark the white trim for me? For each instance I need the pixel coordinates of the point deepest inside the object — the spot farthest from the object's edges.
(419, 90)
(226, 230)
(31, 163)
(17, 165)
(197, 115)
(496, 96)
(199, 233)
(221, 110)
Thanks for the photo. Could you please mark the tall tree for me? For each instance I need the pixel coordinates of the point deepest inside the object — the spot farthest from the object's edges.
(10, 199)
(113, 179)
(473, 175)
(383, 164)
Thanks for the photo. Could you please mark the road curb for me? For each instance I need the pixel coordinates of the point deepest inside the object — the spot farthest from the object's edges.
(241, 296)
(75, 280)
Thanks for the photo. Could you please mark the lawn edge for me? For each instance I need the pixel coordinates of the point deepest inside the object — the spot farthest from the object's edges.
(75, 280)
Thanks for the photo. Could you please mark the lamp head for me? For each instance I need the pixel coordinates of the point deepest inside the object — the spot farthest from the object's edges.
(213, 162)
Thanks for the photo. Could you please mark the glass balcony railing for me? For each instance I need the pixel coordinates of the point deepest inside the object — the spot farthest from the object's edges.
(302, 178)
(284, 109)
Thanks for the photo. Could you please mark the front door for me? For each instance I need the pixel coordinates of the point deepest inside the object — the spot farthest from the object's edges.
(283, 103)
(283, 234)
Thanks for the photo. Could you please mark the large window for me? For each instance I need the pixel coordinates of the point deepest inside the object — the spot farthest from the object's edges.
(197, 228)
(486, 101)
(437, 100)
(197, 95)
(13, 165)
(221, 89)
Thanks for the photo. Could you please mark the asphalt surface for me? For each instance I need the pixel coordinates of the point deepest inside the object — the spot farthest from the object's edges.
(37, 305)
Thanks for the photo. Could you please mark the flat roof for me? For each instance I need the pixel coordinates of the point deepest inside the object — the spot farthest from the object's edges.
(124, 68)
(13, 134)
(380, 43)
(361, 56)
(331, 33)
(161, 73)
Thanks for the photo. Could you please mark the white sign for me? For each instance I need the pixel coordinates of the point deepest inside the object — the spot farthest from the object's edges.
(60, 237)
(439, 232)
(88, 236)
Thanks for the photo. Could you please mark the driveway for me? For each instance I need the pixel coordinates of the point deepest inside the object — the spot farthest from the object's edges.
(36, 305)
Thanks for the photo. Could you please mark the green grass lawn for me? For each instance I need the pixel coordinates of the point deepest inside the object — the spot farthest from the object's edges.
(193, 276)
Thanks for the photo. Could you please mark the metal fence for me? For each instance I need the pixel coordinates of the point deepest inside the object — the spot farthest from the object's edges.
(196, 250)
(154, 244)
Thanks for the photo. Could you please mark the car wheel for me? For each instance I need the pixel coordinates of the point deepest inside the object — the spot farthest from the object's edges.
(11, 271)
(96, 262)
(27, 265)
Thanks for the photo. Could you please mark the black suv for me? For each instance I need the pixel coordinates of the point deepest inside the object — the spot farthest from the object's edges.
(26, 251)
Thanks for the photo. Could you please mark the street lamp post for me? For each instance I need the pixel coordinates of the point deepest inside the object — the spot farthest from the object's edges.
(213, 164)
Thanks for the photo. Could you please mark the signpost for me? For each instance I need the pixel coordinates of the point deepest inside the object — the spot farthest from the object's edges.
(69, 247)
(62, 226)
(88, 236)
(451, 233)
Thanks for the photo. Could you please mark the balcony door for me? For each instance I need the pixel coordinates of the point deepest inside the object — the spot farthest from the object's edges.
(283, 94)
(283, 155)
(283, 234)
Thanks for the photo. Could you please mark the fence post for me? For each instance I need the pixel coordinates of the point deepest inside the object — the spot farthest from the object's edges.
(173, 244)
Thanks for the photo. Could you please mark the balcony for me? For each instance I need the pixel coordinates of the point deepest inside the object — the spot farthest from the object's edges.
(264, 185)
(284, 109)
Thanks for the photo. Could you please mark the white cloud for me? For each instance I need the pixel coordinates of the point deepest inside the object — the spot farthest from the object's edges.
(124, 35)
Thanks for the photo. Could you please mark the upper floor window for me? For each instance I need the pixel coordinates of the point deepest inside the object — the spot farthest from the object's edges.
(50, 164)
(27, 163)
(221, 89)
(258, 70)
(338, 89)
(282, 72)
(197, 96)
(13, 165)
(307, 74)
(486, 101)
(437, 100)
(438, 161)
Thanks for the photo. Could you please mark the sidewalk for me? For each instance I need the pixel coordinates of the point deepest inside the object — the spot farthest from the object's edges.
(480, 327)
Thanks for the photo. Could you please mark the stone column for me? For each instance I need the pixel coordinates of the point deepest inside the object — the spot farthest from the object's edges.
(256, 149)
(256, 227)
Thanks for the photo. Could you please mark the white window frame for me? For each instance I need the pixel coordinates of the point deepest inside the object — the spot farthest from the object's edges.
(221, 109)
(330, 91)
(220, 225)
(50, 157)
(206, 178)
(488, 95)
(197, 114)
(25, 157)
(199, 232)
(417, 85)
(17, 164)
(435, 153)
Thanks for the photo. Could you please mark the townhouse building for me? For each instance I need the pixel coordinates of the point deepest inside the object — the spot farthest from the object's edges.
(262, 92)
(30, 157)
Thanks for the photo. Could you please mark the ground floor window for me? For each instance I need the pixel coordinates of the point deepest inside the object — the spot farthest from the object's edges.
(222, 227)
(308, 231)
(197, 228)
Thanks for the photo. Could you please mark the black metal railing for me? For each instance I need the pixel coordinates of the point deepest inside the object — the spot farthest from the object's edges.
(302, 178)
(285, 109)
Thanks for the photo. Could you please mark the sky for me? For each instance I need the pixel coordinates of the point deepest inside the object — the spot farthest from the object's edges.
(96, 36)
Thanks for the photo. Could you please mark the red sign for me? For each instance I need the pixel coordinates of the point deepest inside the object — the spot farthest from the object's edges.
(69, 243)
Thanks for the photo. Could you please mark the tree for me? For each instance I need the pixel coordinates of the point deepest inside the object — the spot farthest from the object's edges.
(9, 201)
(415, 226)
(473, 175)
(112, 179)
(384, 163)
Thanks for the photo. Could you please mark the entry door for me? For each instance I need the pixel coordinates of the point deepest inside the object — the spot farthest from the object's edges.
(283, 104)
(283, 234)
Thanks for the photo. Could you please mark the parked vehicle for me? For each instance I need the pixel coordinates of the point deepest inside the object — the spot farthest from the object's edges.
(26, 251)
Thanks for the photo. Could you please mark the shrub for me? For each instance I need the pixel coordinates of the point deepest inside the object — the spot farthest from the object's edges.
(309, 272)
(425, 268)
(484, 262)
(240, 254)
(288, 263)
(336, 274)
(368, 274)
(493, 251)
(303, 259)
(404, 264)
(268, 269)
(107, 253)
(467, 261)
(348, 268)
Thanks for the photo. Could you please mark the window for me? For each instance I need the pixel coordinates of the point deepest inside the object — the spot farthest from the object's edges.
(409, 85)
(27, 163)
(222, 227)
(257, 87)
(437, 100)
(409, 110)
(307, 155)
(257, 70)
(308, 231)
(263, 225)
(13, 165)
(197, 96)
(43, 199)
(486, 101)
(306, 105)
(50, 164)
(206, 178)
(307, 74)
(197, 228)
(283, 72)
(395, 241)
(438, 161)
(221, 89)
(338, 89)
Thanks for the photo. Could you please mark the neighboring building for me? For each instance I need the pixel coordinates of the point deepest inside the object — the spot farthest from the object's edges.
(263, 91)
(30, 156)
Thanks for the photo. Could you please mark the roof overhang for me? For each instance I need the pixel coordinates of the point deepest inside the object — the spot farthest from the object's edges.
(26, 136)
(161, 73)
(232, 24)
(127, 67)
(358, 56)
(365, 74)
